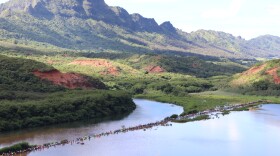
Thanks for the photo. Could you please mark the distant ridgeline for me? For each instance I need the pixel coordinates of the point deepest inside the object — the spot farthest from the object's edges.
(29, 101)
(92, 25)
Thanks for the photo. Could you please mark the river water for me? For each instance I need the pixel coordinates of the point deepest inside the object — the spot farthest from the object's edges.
(240, 133)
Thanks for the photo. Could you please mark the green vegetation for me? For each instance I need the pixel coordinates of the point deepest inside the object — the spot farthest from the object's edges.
(63, 107)
(16, 75)
(17, 147)
(27, 101)
(185, 65)
(261, 79)
(207, 100)
(242, 109)
(198, 118)
(225, 112)
(194, 83)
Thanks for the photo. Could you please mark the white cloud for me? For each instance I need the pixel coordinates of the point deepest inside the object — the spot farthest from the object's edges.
(3, 1)
(274, 10)
(219, 13)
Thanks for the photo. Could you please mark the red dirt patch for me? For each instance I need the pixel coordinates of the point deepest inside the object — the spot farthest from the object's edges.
(68, 80)
(274, 74)
(110, 68)
(111, 71)
(94, 63)
(154, 69)
(254, 70)
(50, 62)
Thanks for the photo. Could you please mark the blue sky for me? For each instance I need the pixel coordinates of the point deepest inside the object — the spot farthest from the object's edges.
(247, 18)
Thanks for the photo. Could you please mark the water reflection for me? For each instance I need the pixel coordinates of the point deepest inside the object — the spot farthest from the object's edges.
(146, 111)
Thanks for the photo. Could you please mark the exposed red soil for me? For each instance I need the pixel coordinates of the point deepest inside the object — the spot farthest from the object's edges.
(154, 69)
(50, 62)
(110, 68)
(68, 80)
(254, 70)
(274, 74)
(111, 71)
(94, 63)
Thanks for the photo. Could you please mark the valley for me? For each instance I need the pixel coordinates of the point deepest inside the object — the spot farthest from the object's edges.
(84, 68)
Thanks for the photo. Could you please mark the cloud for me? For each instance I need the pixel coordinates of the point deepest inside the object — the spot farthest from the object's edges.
(274, 10)
(3, 1)
(218, 13)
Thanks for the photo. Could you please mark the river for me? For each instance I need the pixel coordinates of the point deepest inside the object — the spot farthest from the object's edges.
(239, 133)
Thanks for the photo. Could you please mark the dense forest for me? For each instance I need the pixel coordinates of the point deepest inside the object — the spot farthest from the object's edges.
(63, 107)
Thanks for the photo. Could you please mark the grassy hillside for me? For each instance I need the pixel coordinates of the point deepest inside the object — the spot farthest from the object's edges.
(263, 78)
(16, 75)
(178, 75)
(188, 65)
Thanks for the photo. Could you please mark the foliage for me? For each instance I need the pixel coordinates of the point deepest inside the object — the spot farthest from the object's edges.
(198, 118)
(190, 65)
(63, 107)
(207, 100)
(26, 101)
(17, 147)
(261, 79)
(197, 67)
(16, 75)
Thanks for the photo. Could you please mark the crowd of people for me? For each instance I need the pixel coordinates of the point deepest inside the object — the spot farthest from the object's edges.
(164, 122)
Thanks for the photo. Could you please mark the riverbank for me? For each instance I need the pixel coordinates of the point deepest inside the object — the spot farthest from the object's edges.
(207, 100)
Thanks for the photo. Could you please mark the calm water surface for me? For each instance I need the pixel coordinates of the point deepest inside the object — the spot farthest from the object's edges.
(238, 134)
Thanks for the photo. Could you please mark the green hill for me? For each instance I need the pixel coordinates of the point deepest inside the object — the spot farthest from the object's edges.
(16, 75)
(263, 78)
(28, 101)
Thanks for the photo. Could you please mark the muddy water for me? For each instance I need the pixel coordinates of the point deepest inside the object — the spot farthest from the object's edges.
(240, 133)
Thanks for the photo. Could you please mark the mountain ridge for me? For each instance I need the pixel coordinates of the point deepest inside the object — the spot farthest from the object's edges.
(95, 9)
(93, 25)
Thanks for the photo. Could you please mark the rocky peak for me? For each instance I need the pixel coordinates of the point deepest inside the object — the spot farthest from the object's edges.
(57, 7)
(93, 7)
(168, 27)
(38, 9)
(145, 24)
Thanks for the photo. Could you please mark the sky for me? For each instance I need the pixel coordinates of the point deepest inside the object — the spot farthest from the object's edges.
(246, 18)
